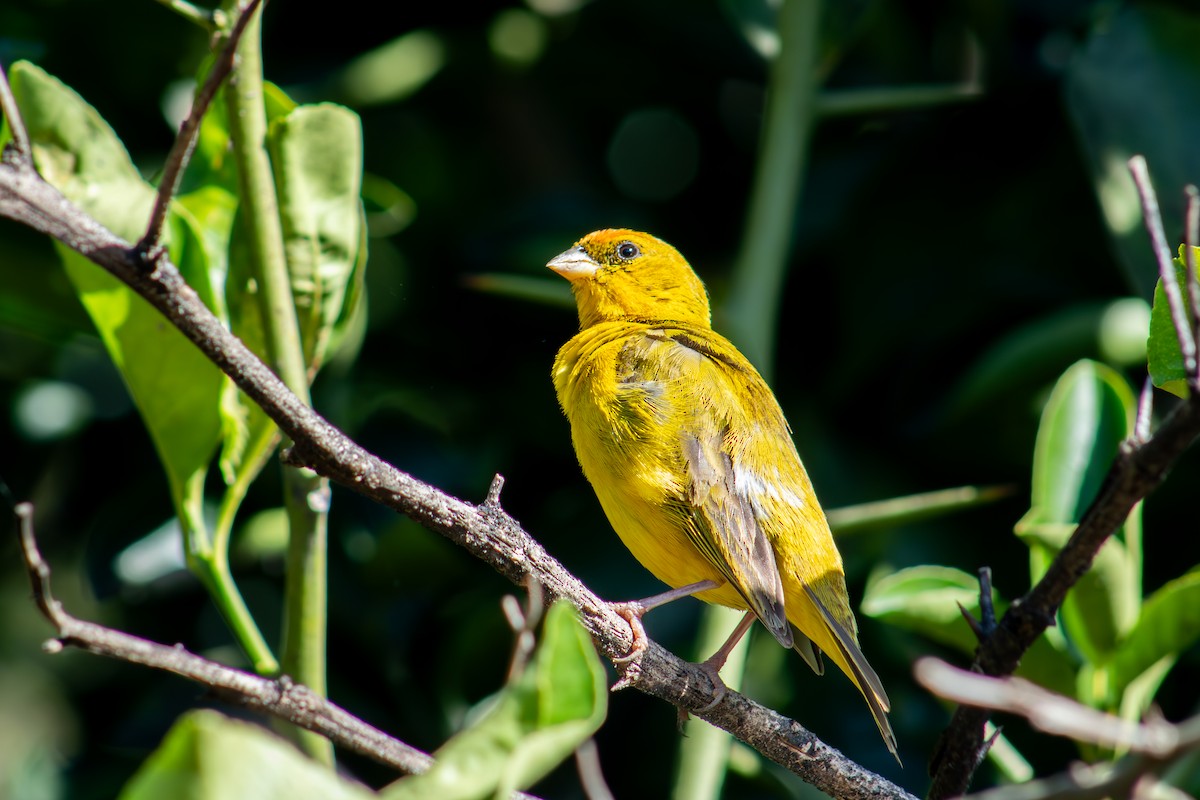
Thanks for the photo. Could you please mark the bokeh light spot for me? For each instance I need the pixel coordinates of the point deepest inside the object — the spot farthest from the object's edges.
(51, 410)
(555, 8)
(654, 154)
(393, 71)
(517, 37)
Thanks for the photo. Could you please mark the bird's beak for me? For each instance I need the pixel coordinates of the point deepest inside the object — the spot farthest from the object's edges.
(574, 264)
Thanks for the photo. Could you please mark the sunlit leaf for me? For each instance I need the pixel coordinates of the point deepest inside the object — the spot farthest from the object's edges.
(207, 756)
(175, 388)
(926, 600)
(316, 151)
(536, 722)
(1166, 359)
(1089, 413)
(1169, 623)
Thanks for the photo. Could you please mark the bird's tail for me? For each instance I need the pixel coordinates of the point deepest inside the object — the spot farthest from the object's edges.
(850, 658)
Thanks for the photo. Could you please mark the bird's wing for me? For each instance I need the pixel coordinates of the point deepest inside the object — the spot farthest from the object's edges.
(861, 672)
(727, 533)
(719, 514)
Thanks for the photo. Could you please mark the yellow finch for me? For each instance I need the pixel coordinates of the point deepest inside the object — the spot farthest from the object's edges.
(692, 459)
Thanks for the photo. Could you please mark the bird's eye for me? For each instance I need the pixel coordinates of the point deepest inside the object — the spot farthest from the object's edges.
(627, 251)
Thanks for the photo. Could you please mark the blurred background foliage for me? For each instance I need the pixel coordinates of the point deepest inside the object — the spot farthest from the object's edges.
(963, 236)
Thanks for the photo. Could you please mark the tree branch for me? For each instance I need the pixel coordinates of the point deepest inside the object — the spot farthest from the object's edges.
(1153, 745)
(1141, 465)
(280, 698)
(485, 530)
(185, 141)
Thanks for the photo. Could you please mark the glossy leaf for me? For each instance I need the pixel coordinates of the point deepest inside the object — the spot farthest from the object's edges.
(174, 387)
(1166, 360)
(1088, 415)
(1169, 623)
(537, 721)
(926, 600)
(207, 756)
(316, 151)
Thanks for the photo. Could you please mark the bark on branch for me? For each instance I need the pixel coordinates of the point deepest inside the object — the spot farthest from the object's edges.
(280, 698)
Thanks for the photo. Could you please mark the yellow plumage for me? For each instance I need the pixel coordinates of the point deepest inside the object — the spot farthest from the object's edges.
(690, 454)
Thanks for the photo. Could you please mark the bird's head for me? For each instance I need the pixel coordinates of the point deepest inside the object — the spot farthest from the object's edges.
(627, 275)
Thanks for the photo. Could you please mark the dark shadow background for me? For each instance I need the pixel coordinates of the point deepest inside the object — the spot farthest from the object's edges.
(924, 236)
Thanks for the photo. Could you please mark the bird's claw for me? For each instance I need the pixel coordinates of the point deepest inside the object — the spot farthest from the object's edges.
(719, 687)
(630, 664)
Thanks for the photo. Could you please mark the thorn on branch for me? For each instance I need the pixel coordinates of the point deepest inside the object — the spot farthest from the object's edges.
(987, 746)
(985, 626)
(976, 628)
(492, 501)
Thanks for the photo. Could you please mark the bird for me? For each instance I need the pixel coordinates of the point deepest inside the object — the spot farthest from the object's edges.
(693, 462)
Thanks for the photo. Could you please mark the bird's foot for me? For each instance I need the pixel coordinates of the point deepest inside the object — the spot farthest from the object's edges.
(630, 664)
(713, 670)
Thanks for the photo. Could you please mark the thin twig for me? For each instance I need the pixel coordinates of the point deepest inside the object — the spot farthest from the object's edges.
(280, 698)
(1166, 263)
(1145, 411)
(1048, 712)
(19, 145)
(185, 141)
(524, 622)
(1153, 745)
(591, 776)
(205, 18)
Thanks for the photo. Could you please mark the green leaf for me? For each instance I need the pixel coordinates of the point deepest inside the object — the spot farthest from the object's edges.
(1169, 623)
(1089, 413)
(212, 163)
(175, 388)
(926, 600)
(910, 508)
(1166, 360)
(316, 151)
(207, 756)
(537, 721)
(1140, 62)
